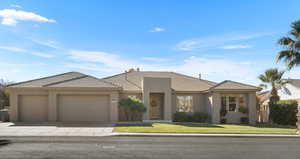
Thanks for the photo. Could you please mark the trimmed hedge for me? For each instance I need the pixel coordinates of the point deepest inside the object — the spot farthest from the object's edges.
(191, 117)
(284, 112)
(244, 120)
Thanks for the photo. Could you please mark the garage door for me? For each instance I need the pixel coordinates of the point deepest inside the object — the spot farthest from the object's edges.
(83, 108)
(33, 108)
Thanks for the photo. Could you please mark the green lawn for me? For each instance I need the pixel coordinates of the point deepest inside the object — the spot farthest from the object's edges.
(202, 128)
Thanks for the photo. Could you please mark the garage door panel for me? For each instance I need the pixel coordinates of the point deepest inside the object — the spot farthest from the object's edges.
(33, 108)
(83, 108)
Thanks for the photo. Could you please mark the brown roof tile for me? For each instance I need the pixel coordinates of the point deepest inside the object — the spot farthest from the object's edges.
(132, 81)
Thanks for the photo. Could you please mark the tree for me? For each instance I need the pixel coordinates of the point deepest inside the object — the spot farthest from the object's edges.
(291, 43)
(4, 94)
(133, 108)
(273, 77)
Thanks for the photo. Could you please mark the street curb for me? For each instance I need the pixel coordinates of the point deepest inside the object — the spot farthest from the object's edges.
(205, 135)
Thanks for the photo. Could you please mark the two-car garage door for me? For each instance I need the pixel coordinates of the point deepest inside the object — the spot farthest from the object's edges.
(70, 108)
(83, 108)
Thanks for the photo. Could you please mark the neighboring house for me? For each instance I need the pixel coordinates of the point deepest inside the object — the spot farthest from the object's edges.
(76, 97)
(289, 91)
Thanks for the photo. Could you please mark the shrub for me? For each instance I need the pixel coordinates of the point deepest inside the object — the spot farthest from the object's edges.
(244, 120)
(133, 108)
(180, 117)
(191, 117)
(284, 112)
(200, 117)
(243, 110)
(223, 121)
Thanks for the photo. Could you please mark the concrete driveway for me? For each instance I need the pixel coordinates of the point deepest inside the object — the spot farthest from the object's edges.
(20, 129)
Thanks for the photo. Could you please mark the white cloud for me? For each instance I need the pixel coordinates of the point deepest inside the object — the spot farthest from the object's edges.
(215, 41)
(49, 43)
(213, 69)
(10, 48)
(15, 6)
(229, 47)
(217, 69)
(108, 59)
(189, 45)
(158, 29)
(15, 49)
(40, 54)
(11, 17)
(155, 59)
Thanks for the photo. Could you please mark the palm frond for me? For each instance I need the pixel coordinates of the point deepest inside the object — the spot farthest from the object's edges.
(295, 29)
(295, 61)
(285, 55)
(285, 41)
(264, 86)
(263, 78)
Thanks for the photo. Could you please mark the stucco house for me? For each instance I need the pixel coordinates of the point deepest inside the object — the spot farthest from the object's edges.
(76, 97)
(289, 91)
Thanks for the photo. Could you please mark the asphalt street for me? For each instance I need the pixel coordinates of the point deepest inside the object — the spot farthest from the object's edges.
(151, 147)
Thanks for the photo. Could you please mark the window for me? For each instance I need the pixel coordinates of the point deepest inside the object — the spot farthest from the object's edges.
(232, 103)
(223, 102)
(184, 104)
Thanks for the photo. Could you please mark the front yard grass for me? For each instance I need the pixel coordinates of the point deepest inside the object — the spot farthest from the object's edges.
(202, 128)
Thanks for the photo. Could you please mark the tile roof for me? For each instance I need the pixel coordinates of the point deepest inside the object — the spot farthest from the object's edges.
(85, 81)
(132, 81)
(232, 85)
(295, 82)
(69, 79)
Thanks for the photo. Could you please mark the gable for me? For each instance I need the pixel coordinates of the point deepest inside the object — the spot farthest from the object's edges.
(132, 81)
(69, 79)
(232, 85)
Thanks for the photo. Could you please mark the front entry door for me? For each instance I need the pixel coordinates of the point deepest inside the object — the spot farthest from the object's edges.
(156, 105)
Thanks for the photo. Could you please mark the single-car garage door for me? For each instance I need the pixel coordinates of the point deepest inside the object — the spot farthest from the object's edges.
(33, 108)
(83, 108)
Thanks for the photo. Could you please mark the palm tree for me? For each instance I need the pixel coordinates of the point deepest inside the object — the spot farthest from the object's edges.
(273, 77)
(291, 43)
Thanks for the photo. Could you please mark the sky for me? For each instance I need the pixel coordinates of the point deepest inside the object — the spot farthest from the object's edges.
(219, 39)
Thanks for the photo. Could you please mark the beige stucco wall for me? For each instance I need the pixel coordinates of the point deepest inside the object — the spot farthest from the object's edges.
(215, 100)
(252, 108)
(53, 100)
(158, 85)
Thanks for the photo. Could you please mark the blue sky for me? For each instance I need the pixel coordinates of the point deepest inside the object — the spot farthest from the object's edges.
(221, 39)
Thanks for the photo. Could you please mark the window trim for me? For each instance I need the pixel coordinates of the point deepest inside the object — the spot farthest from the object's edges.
(237, 101)
(185, 97)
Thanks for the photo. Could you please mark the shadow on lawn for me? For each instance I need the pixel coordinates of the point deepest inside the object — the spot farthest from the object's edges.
(138, 124)
(205, 125)
(144, 124)
(273, 126)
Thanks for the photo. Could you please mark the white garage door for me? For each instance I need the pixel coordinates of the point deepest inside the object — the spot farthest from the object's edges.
(83, 108)
(33, 108)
